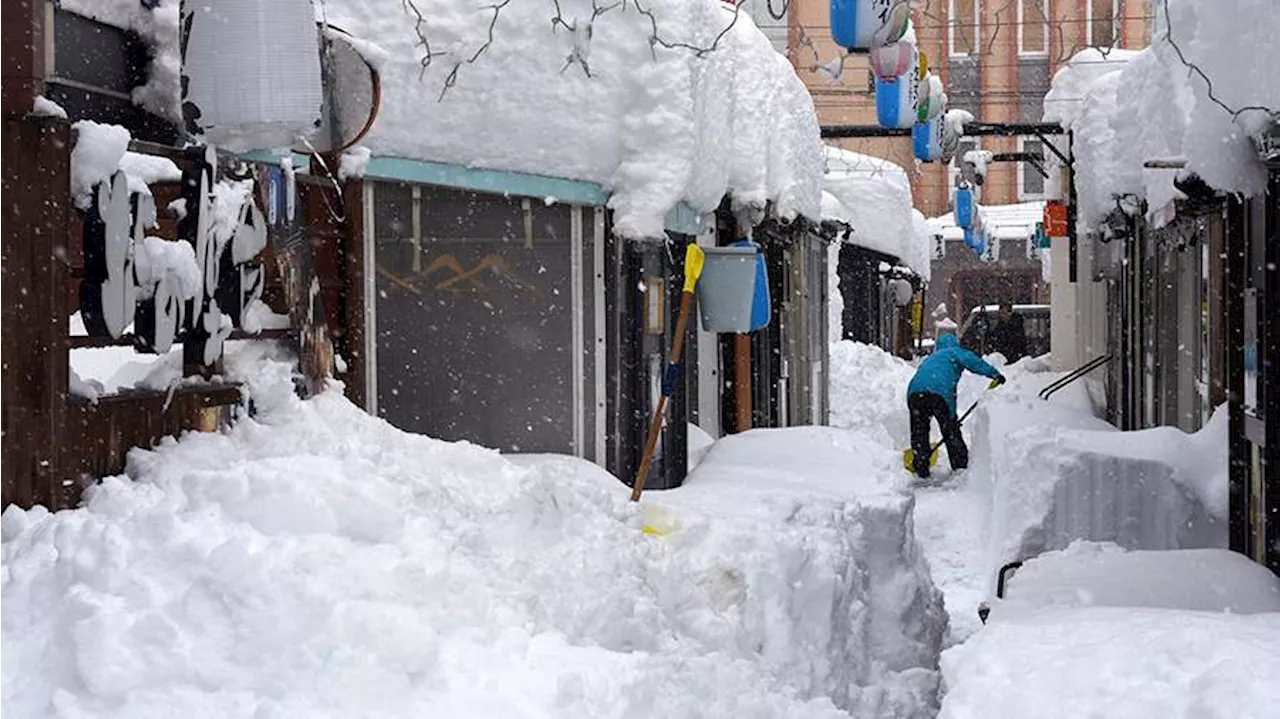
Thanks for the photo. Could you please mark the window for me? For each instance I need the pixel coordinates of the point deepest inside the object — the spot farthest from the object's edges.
(1033, 27)
(1104, 22)
(1030, 181)
(962, 29)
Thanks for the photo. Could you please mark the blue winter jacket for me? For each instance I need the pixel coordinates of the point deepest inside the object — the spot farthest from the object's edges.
(940, 372)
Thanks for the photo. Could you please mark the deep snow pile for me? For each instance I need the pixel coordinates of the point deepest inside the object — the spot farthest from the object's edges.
(318, 562)
(869, 392)
(1095, 630)
(1129, 107)
(873, 196)
(1056, 473)
(1117, 662)
(1102, 574)
(846, 606)
(591, 97)
(655, 125)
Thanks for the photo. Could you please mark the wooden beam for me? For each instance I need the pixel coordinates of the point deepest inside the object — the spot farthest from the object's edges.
(23, 52)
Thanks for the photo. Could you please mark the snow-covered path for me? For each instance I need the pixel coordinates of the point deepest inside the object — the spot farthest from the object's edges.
(315, 561)
(867, 396)
(949, 522)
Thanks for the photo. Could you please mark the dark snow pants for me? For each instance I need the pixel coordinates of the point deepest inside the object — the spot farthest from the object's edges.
(925, 406)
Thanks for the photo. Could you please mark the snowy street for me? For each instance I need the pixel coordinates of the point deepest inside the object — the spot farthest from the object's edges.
(319, 562)
(640, 359)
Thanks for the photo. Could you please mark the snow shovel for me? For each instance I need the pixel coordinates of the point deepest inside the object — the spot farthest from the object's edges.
(909, 455)
(693, 258)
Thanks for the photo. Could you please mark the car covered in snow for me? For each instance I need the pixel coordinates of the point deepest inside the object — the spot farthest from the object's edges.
(973, 333)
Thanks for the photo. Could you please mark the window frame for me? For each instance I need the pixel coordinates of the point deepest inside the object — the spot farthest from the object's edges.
(1115, 24)
(1044, 50)
(1023, 169)
(976, 48)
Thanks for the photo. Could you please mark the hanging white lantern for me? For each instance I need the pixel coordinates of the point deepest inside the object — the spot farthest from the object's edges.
(252, 71)
(865, 24)
(896, 98)
(892, 60)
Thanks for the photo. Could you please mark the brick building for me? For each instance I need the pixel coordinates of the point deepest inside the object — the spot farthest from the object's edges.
(995, 58)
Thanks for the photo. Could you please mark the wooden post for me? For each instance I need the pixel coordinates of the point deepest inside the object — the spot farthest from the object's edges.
(23, 68)
(742, 381)
(36, 167)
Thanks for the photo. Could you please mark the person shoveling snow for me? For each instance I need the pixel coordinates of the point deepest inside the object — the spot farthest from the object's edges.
(932, 394)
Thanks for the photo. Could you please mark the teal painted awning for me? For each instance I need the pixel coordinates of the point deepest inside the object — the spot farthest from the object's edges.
(681, 219)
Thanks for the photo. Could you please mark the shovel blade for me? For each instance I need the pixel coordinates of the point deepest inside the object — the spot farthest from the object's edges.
(909, 459)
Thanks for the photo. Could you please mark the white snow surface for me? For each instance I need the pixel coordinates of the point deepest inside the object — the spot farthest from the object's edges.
(1057, 473)
(1103, 574)
(354, 163)
(873, 196)
(150, 168)
(869, 398)
(861, 620)
(317, 562)
(1131, 107)
(652, 124)
(156, 257)
(1117, 662)
(97, 153)
(1002, 222)
(44, 107)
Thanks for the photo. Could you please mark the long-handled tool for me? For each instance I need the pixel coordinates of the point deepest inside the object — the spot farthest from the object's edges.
(909, 454)
(693, 257)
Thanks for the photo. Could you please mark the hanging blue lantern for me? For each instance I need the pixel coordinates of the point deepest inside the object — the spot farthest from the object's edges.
(864, 24)
(926, 140)
(964, 208)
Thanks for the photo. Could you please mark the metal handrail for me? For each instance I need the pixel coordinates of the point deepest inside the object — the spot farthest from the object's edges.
(1075, 374)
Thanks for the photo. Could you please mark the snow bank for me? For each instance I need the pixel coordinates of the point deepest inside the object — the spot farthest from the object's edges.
(869, 393)
(1126, 107)
(1101, 574)
(1057, 474)
(317, 562)
(1117, 662)
(814, 537)
(601, 102)
(874, 197)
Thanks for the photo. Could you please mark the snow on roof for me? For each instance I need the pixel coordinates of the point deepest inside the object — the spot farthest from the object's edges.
(873, 195)
(1134, 107)
(1003, 222)
(655, 125)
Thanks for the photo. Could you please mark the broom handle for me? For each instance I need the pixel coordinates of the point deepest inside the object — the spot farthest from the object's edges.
(668, 387)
